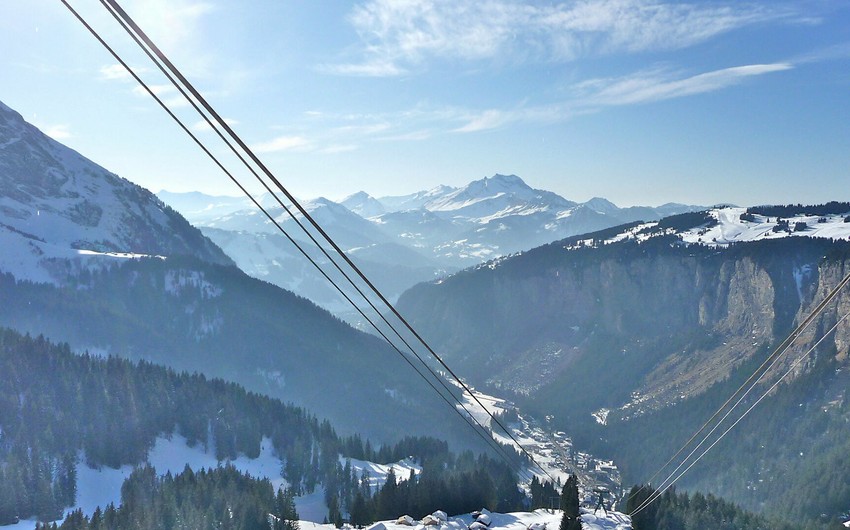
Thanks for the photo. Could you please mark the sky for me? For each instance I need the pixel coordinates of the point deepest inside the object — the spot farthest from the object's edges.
(642, 102)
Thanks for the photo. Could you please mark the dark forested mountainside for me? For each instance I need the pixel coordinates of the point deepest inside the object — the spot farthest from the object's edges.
(55, 405)
(552, 322)
(68, 225)
(214, 319)
(630, 328)
(790, 210)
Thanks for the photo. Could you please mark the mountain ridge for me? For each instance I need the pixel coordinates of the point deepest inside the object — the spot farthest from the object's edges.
(55, 204)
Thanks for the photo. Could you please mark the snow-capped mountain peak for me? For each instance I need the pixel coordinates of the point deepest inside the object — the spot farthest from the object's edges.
(414, 201)
(486, 197)
(603, 206)
(363, 204)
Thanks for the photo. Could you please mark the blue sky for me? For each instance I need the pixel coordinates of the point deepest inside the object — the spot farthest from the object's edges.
(641, 102)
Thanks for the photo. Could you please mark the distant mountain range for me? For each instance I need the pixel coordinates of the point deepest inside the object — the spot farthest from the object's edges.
(403, 240)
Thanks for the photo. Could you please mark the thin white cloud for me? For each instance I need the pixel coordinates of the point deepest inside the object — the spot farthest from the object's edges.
(656, 86)
(281, 143)
(597, 94)
(413, 136)
(831, 53)
(396, 36)
(369, 69)
(363, 129)
(425, 121)
(333, 149)
(489, 119)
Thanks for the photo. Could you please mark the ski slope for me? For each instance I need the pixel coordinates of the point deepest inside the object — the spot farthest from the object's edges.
(730, 228)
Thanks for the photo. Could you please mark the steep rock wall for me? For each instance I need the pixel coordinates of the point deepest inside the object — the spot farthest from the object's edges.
(670, 321)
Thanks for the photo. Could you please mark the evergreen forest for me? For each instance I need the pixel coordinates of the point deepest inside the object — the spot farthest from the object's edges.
(56, 406)
(221, 498)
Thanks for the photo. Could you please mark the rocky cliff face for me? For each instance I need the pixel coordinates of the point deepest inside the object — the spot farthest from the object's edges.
(671, 321)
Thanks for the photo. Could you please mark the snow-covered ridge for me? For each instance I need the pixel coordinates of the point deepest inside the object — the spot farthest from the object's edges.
(734, 226)
(724, 226)
(60, 212)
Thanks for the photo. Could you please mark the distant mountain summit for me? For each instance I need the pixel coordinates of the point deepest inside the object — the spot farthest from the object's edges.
(498, 195)
(363, 204)
(59, 210)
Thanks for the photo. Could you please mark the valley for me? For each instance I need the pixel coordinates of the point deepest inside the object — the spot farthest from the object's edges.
(552, 449)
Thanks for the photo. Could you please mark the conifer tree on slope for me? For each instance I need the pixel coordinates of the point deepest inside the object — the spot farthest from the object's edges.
(571, 519)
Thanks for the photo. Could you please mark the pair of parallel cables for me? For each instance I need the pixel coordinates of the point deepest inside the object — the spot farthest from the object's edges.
(258, 169)
(742, 392)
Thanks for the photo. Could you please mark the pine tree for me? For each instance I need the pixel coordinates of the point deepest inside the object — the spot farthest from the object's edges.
(571, 519)
(7, 500)
(360, 511)
(334, 515)
(287, 517)
(387, 502)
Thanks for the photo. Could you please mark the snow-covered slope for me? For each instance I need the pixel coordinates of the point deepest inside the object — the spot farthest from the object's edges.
(734, 226)
(100, 487)
(724, 226)
(60, 211)
(414, 200)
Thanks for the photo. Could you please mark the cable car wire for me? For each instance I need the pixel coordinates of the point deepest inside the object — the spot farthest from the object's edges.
(497, 447)
(225, 126)
(272, 219)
